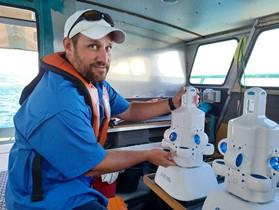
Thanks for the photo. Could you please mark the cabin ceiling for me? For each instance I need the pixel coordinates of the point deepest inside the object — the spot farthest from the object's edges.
(201, 17)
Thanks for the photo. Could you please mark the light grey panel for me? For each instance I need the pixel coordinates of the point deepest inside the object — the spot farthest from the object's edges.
(154, 82)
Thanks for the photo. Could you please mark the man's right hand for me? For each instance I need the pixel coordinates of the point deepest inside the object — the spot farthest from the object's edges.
(160, 157)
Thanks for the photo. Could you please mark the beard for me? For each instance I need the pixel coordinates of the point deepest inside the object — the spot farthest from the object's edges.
(93, 74)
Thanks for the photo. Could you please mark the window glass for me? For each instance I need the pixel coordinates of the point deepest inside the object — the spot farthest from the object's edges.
(14, 75)
(262, 68)
(19, 59)
(212, 62)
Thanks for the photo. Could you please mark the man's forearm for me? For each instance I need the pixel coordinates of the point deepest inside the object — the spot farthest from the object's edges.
(118, 160)
(145, 110)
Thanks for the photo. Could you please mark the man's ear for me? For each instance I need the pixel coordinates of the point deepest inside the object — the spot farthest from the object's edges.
(68, 46)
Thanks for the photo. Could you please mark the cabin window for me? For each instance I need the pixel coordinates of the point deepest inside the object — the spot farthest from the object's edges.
(213, 62)
(262, 68)
(19, 61)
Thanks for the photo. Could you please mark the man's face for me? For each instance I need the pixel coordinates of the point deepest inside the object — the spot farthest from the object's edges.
(91, 57)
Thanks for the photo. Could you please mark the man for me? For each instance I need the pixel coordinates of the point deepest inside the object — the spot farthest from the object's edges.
(64, 119)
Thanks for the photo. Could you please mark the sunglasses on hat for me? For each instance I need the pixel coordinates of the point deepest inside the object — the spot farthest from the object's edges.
(92, 15)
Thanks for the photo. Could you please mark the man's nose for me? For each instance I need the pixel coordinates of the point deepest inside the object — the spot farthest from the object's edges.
(103, 55)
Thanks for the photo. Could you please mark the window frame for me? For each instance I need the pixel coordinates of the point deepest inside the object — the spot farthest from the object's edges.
(7, 133)
(247, 57)
(229, 70)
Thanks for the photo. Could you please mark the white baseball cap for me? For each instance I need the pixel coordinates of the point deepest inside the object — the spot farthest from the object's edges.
(93, 24)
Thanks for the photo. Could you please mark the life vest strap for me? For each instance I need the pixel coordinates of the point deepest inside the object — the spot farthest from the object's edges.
(27, 90)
